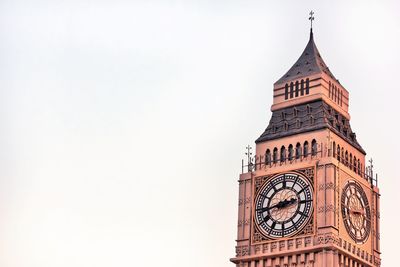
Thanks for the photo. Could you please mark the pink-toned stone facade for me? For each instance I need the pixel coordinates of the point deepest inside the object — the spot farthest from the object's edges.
(330, 165)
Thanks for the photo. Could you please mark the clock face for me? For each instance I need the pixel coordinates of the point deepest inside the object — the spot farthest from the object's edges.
(284, 205)
(356, 212)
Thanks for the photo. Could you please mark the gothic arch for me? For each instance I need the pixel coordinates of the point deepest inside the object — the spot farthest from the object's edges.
(351, 161)
(313, 147)
(305, 149)
(275, 155)
(268, 157)
(291, 89)
(334, 149)
(355, 164)
(283, 153)
(286, 91)
(307, 86)
(298, 150)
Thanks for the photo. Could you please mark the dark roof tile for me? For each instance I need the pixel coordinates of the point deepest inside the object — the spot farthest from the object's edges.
(295, 120)
(310, 56)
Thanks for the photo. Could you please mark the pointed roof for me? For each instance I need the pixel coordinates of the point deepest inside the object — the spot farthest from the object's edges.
(310, 62)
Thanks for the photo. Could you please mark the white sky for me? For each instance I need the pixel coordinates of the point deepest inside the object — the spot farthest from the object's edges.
(123, 123)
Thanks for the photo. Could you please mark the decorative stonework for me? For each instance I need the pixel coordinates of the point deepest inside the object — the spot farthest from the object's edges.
(328, 186)
(309, 229)
(245, 250)
(328, 238)
(356, 251)
(308, 172)
(307, 241)
(258, 238)
(243, 222)
(328, 208)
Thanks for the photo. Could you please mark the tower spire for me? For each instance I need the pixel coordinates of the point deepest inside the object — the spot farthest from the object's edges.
(311, 18)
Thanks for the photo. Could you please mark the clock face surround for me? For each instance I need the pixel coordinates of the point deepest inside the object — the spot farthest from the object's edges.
(356, 212)
(283, 205)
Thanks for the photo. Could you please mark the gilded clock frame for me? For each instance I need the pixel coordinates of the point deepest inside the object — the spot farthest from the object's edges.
(257, 236)
(345, 216)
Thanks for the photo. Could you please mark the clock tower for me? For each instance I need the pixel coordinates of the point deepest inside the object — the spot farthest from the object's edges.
(306, 198)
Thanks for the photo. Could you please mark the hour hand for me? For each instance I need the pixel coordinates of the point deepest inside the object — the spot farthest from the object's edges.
(277, 205)
(288, 202)
(357, 212)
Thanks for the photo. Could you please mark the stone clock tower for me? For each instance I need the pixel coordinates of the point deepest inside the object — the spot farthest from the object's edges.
(307, 198)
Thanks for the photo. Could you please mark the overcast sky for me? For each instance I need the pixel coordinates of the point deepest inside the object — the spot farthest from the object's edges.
(123, 123)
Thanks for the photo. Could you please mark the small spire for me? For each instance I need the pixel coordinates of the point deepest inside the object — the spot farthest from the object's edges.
(311, 18)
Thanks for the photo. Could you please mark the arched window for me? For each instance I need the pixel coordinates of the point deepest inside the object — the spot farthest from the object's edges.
(298, 150)
(314, 147)
(359, 167)
(291, 90)
(302, 87)
(338, 153)
(334, 149)
(297, 89)
(341, 99)
(295, 111)
(268, 157)
(329, 89)
(351, 161)
(343, 161)
(346, 162)
(335, 94)
(286, 91)
(307, 86)
(305, 149)
(275, 155)
(283, 153)
(290, 155)
(355, 164)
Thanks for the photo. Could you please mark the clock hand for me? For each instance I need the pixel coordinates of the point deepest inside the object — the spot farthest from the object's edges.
(357, 212)
(288, 202)
(278, 205)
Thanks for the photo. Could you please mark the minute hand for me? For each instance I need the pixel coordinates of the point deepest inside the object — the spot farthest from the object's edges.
(280, 204)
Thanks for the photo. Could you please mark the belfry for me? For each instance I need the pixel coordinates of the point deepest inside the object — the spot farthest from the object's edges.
(307, 198)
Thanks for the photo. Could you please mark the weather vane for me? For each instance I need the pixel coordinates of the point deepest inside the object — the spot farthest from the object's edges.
(311, 18)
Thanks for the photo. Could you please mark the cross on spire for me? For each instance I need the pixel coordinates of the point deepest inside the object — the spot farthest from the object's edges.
(311, 18)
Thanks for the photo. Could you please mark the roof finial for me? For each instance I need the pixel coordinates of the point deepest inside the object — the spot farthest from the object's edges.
(311, 18)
